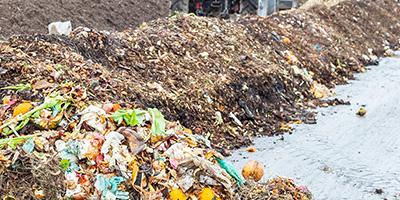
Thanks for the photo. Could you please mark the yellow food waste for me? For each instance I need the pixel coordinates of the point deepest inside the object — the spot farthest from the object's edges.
(22, 108)
(177, 194)
(207, 194)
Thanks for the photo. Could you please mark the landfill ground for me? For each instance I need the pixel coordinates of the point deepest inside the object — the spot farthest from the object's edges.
(104, 114)
(30, 17)
(343, 156)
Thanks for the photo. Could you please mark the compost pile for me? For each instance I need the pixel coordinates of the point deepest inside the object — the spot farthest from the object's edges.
(227, 79)
(79, 149)
(103, 151)
(22, 17)
(89, 108)
(277, 188)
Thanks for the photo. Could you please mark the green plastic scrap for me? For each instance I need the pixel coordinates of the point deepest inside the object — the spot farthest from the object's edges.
(13, 142)
(230, 168)
(110, 185)
(114, 182)
(158, 124)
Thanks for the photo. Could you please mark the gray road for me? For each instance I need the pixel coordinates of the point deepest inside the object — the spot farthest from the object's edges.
(343, 156)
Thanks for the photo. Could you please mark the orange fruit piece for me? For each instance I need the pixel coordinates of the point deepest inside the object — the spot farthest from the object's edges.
(22, 108)
(116, 107)
(177, 194)
(286, 40)
(252, 149)
(207, 194)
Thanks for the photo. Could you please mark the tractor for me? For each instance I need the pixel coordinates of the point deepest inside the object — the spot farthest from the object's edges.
(223, 8)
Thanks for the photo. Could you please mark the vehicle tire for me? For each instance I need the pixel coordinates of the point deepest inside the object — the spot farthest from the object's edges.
(248, 7)
(180, 5)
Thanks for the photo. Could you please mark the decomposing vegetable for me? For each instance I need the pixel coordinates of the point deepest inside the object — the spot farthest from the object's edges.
(253, 169)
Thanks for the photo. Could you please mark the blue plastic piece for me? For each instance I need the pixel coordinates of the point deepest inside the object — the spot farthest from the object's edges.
(29, 145)
(72, 148)
(105, 185)
(55, 111)
(317, 48)
(72, 167)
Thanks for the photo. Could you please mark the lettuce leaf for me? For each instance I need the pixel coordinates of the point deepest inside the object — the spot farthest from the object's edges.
(158, 123)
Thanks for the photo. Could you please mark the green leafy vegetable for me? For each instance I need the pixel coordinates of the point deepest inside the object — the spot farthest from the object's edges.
(59, 66)
(55, 100)
(13, 142)
(64, 164)
(18, 87)
(129, 116)
(140, 116)
(158, 124)
(17, 128)
(48, 103)
(36, 114)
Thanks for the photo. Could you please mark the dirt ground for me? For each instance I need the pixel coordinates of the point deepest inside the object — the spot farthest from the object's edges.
(307, 4)
(29, 17)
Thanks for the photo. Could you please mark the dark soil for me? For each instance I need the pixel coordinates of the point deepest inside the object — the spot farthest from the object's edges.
(29, 17)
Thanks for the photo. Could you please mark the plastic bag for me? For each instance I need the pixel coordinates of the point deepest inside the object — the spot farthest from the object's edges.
(110, 187)
(93, 116)
(113, 139)
(230, 168)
